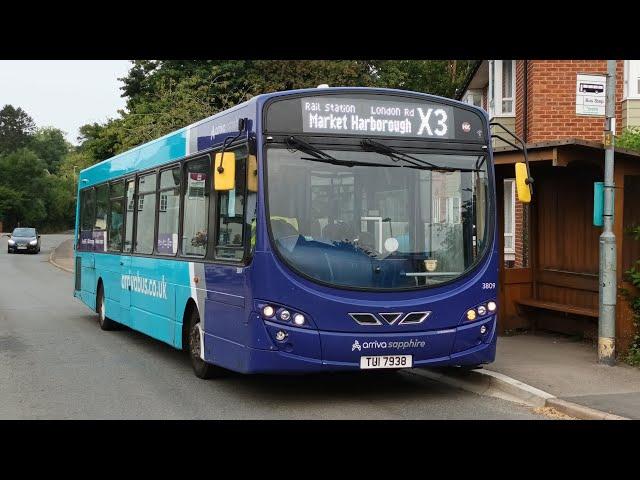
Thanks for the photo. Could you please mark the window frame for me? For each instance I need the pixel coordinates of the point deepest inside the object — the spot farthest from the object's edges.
(127, 180)
(122, 200)
(246, 242)
(87, 191)
(512, 208)
(83, 192)
(159, 191)
(209, 191)
(137, 197)
(495, 95)
(631, 80)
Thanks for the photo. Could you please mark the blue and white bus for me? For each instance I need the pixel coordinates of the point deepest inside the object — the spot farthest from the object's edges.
(307, 230)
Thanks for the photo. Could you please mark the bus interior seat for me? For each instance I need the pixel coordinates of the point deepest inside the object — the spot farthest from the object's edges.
(282, 228)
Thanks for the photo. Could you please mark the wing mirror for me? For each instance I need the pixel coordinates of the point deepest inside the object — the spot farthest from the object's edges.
(225, 171)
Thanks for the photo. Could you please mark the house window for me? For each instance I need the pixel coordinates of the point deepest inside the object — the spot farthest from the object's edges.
(509, 219)
(502, 87)
(163, 202)
(446, 210)
(632, 79)
(473, 97)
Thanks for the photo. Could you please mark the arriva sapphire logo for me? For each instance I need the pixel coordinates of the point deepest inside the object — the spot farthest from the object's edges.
(412, 318)
(384, 345)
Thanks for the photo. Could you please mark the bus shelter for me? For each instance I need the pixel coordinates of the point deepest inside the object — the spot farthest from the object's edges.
(550, 248)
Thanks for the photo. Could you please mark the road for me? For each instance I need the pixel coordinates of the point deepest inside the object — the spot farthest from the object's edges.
(56, 363)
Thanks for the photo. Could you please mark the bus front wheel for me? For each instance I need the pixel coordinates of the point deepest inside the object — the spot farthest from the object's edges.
(201, 368)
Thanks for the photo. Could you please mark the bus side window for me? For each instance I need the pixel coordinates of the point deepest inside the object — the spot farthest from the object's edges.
(231, 206)
(195, 221)
(128, 228)
(87, 218)
(168, 212)
(146, 218)
(115, 219)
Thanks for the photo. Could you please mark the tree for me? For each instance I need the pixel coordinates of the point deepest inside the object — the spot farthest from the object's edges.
(16, 128)
(51, 146)
(437, 77)
(629, 139)
(100, 141)
(11, 207)
(24, 176)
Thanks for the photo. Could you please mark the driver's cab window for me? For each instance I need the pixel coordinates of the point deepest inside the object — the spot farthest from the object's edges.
(232, 232)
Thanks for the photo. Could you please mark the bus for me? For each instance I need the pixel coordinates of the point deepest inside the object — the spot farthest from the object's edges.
(302, 231)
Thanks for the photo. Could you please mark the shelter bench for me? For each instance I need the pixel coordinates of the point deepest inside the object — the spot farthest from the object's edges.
(557, 307)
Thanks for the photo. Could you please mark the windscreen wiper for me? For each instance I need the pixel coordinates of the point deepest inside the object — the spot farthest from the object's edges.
(396, 155)
(321, 156)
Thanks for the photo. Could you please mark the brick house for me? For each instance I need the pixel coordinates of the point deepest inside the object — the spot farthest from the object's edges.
(550, 269)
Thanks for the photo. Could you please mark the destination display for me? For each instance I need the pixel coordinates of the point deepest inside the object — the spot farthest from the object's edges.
(376, 117)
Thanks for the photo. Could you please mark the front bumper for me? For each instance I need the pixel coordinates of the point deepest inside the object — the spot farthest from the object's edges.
(307, 350)
(19, 248)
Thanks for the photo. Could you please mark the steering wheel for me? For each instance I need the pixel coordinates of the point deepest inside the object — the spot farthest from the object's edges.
(367, 242)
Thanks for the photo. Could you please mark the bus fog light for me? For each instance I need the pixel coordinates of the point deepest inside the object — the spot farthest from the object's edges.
(298, 319)
(280, 335)
(285, 315)
(482, 310)
(268, 311)
(483, 329)
(471, 314)
(492, 306)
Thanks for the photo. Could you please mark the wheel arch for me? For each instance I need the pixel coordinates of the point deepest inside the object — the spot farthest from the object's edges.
(189, 307)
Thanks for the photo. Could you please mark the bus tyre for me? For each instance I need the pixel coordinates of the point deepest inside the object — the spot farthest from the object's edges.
(105, 322)
(201, 368)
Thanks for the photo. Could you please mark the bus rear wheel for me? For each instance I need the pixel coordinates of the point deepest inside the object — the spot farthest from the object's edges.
(105, 322)
(201, 368)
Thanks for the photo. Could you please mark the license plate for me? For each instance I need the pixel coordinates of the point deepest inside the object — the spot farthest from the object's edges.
(22, 247)
(386, 361)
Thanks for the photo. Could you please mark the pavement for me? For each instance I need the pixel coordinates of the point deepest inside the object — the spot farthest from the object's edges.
(62, 255)
(568, 369)
(56, 363)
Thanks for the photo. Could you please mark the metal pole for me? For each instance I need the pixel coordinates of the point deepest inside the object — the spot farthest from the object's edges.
(607, 297)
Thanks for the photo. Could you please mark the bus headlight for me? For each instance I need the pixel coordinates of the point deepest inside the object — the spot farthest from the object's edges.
(492, 306)
(283, 314)
(471, 314)
(482, 310)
